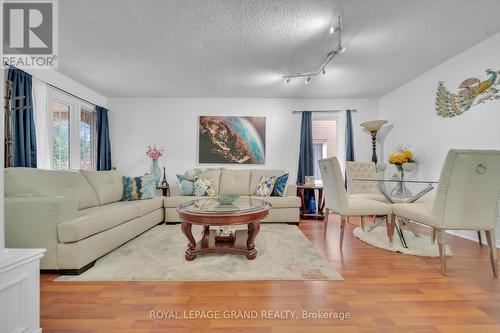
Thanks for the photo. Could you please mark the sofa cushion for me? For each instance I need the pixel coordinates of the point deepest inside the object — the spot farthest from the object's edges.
(186, 184)
(97, 219)
(108, 185)
(256, 174)
(235, 182)
(148, 205)
(279, 189)
(281, 202)
(266, 186)
(28, 182)
(173, 202)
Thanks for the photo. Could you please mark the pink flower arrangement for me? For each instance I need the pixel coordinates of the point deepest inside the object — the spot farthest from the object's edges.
(154, 153)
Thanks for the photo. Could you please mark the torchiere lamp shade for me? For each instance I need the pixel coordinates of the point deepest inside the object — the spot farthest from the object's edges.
(373, 125)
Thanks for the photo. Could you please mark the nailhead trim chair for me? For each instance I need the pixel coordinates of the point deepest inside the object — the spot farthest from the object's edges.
(336, 199)
(361, 189)
(467, 199)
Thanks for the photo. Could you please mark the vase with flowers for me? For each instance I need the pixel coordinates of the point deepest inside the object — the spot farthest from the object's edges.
(404, 161)
(154, 154)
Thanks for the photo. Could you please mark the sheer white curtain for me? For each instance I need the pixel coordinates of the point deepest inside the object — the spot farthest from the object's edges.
(42, 125)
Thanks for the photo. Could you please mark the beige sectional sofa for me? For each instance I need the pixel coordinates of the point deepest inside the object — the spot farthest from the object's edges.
(243, 182)
(76, 215)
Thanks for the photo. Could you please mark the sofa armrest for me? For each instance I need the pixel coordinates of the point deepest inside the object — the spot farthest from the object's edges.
(31, 222)
(291, 190)
(174, 190)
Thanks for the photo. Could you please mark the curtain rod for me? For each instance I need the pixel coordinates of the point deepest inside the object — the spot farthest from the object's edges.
(57, 88)
(322, 111)
(67, 92)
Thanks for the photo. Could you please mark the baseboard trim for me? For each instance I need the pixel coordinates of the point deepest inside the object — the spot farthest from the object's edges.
(76, 271)
(470, 235)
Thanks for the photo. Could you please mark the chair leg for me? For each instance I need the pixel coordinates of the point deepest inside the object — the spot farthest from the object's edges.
(480, 238)
(325, 222)
(492, 244)
(342, 228)
(390, 222)
(441, 238)
(363, 223)
(433, 239)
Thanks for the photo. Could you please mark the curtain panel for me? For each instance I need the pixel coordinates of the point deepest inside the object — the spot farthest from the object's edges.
(349, 142)
(23, 122)
(103, 143)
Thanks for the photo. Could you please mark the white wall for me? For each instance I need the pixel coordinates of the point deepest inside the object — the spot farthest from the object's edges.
(411, 109)
(173, 124)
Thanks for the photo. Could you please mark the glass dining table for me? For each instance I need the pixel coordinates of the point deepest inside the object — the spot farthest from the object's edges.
(398, 191)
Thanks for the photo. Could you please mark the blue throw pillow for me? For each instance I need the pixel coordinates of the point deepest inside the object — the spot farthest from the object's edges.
(186, 184)
(148, 188)
(280, 186)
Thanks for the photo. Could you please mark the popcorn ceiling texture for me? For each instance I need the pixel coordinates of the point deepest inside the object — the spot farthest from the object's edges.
(226, 48)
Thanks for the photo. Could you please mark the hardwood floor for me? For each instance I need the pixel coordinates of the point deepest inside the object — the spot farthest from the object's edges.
(382, 291)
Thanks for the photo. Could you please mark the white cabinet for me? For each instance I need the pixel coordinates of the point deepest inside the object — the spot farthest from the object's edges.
(20, 290)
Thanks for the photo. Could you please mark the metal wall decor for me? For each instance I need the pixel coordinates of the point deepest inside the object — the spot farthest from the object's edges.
(471, 92)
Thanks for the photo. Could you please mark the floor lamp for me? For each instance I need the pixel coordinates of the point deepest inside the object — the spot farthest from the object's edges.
(373, 127)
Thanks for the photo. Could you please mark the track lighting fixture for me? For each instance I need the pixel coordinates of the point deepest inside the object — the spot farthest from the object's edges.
(332, 54)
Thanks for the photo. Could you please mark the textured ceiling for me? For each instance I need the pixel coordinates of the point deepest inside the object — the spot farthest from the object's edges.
(241, 48)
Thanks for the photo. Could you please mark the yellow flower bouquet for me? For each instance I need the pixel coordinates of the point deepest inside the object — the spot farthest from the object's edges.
(398, 158)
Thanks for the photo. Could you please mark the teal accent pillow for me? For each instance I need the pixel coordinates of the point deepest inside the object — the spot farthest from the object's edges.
(132, 188)
(280, 186)
(148, 188)
(186, 184)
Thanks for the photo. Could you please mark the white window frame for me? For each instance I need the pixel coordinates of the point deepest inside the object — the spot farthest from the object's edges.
(76, 106)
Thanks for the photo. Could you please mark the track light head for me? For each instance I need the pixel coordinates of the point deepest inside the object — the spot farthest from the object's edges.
(307, 80)
(342, 49)
(286, 80)
(332, 30)
(324, 71)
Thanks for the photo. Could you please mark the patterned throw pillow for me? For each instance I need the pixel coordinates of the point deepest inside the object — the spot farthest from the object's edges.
(266, 185)
(203, 187)
(132, 188)
(280, 186)
(148, 188)
(186, 184)
(138, 188)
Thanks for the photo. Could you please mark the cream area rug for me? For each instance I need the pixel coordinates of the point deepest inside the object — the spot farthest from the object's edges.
(283, 253)
(417, 246)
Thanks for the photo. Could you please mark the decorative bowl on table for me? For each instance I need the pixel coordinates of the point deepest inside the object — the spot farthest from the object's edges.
(226, 199)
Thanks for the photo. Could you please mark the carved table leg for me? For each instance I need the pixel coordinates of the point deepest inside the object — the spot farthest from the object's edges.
(253, 230)
(186, 230)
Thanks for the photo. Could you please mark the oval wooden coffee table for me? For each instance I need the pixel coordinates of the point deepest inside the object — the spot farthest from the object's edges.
(208, 212)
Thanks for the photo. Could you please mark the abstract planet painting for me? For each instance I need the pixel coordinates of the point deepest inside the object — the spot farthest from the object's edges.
(235, 140)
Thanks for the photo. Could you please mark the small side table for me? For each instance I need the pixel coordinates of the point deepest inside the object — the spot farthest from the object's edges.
(165, 190)
(320, 212)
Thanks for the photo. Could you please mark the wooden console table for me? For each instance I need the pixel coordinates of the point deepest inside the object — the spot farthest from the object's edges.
(320, 211)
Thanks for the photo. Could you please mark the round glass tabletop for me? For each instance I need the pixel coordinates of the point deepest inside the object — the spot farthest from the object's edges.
(209, 205)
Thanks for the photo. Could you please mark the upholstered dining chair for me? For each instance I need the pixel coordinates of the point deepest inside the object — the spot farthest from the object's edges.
(363, 189)
(336, 199)
(466, 199)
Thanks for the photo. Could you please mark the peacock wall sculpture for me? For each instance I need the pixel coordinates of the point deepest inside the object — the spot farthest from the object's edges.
(471, 92)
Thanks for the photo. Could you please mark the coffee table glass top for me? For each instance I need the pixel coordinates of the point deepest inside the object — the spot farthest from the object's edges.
(209, 205)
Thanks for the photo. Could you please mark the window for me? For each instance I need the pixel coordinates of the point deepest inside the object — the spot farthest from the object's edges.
(73, 132)
(324, 134)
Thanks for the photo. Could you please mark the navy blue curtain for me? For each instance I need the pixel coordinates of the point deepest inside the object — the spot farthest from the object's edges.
(103, 144)
(23, 122)
(349, 149)
(306, 157)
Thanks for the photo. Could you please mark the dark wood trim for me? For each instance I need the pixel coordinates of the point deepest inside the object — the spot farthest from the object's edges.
(76, 271)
